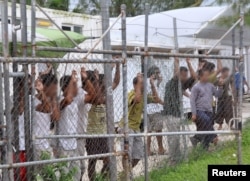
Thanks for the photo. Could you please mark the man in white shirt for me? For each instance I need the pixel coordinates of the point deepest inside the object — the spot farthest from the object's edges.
(46, 109)
(71, 118)
(155, 118)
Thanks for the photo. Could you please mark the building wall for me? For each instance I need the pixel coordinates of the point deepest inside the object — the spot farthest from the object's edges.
(90, 25)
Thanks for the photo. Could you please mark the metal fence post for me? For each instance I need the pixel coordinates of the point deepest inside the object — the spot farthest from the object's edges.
(179, 88)
(109, 90)
(241, 71)
(145, 85)
(27, 124)
(125, 94)
(4, 18)
(14, 117)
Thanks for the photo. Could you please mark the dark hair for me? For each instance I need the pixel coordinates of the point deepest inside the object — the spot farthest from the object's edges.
(201, 72)
(183, 69)
(64, 82)
(135, 81)
(48, 79)
(202, 61)
(225, 69)
(152, 70)
(21, 80)
(209, 66)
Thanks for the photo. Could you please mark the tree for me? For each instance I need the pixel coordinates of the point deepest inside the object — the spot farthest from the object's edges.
(137, 7)
(236, 6)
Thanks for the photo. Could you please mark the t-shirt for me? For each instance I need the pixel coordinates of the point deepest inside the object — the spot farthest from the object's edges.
(153, 107)
(82, 112)
(69, 121)
(227, 88)
(135, 112)
(212, 78)
(202, 97)
(237, 79)
(172, 97)
(41, 127)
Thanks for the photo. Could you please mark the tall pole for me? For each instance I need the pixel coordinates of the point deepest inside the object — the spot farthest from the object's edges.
(27, 124)
(125, 94)
(241, 71)
(179, 87)
(14, 116)
(33, 67)
(109, 91)
(5, 42)
(145, 82)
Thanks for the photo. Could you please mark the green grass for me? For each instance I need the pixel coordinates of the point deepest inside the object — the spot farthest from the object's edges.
(195, 169)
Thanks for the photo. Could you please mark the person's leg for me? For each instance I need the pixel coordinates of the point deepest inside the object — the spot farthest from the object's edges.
(149, 131)
(74, 165)
(136, 150)
(158, 126)
(81, 152)
(91, 169)
(219, 115)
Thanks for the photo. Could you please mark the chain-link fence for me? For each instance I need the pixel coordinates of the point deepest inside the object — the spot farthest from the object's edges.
(65, 119)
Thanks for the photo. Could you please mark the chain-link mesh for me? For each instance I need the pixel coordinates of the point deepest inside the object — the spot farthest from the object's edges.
(59, 114)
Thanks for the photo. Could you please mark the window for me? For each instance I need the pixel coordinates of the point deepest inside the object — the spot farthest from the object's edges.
(66, 28)
(78, 29)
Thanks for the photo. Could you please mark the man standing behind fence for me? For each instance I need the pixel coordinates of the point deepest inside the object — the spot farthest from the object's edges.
(155, 118)
(97, 123)
(172, 104)
(135, 108)
(68, 122)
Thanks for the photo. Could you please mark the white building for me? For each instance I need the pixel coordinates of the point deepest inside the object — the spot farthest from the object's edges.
(81, 23)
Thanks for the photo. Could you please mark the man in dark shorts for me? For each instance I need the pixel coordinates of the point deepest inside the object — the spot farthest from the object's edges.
(97, 123)
(225, 102)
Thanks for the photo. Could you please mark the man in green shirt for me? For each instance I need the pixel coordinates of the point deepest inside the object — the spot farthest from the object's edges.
(135, 109)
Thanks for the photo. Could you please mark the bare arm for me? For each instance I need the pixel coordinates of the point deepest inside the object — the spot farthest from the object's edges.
(156, 98)
(191, 69)
(116, 80)
(185, 93)
(219, 66)
(138, 89)
(45, 105)
(176, 66)
(55, 115)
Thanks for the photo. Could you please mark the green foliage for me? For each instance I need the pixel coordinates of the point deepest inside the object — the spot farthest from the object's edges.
(195, 169)
(55, 171)
(137, 7)
(58, 4)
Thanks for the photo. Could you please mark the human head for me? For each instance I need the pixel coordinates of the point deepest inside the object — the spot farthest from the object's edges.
(49, 82)
(208, 66)
(64, 84)
(225, 72)
(183, 74)
(135, 83)
(21, 83)
(154, 70)
(203, 75)
(202, 63)
(91, 78)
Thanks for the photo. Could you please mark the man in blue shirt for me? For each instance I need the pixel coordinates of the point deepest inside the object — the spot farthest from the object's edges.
(237, 79)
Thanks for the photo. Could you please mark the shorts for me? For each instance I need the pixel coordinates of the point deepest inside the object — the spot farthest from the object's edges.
(96, 146)
(135, 146)
(224, 111)
(155, 122)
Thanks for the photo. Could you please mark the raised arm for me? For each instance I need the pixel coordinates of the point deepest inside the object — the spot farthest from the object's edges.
(138, 89)
(219, 66)
(176, 66)
(68, 93)
(55, 115)
(156, 98)
(191, 69)
(45, 106)
(116, 80)
(89, 88)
